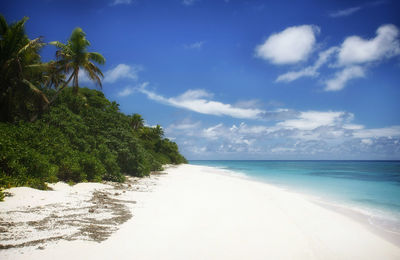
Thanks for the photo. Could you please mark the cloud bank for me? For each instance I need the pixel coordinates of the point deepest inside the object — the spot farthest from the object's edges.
(313, 134)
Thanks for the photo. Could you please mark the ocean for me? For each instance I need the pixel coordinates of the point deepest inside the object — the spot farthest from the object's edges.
(371, 188)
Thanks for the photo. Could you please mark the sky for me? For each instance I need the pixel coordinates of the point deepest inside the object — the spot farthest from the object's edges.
(231, 79)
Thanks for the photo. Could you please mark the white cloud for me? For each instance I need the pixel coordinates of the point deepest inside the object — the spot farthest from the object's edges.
(356, 50)
(367, 141)
(119, 2)
(393, 131)
(213, 132)
(352, 127)
(282, 149)
(200, 150)
(127, 91)
(354, 56)
(311, 71)
(198, 101)
(310, 120)
(194, 46)
(293, 75)
(122, 71)
(251, 103)
(354, 9)
(186, 125)
(292, 45)
(340, 79)
(345, 12)
(193, 94)
(183, 128)
(250, 130)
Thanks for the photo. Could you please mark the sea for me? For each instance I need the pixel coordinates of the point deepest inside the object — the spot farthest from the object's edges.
(370, 188)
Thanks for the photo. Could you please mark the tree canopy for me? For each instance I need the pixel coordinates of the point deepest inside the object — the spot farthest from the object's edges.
(72, 137)
(20, 72)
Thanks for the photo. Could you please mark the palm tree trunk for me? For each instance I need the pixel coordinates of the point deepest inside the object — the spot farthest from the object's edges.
(76, 84)
(60, 89)
(47, 105)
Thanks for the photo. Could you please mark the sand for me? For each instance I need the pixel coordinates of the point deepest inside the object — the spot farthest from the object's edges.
(197, 212)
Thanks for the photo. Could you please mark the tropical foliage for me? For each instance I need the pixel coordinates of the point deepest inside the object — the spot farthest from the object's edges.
(73, 57)
(20, 72)
(51, 132)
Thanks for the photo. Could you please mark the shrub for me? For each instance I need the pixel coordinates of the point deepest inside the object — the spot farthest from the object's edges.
(82, 138)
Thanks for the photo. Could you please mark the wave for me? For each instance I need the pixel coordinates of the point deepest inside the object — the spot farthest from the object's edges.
(380, 219)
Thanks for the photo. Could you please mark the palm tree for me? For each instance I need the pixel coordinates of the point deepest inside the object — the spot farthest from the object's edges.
(53, 75)
(20, 71)
(158, 131)
(73, 56)
(136, 122)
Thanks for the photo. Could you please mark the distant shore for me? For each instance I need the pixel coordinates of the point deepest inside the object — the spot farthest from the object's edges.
(193, 212)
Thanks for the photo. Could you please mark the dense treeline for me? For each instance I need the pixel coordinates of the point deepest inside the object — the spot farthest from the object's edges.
(50, 131)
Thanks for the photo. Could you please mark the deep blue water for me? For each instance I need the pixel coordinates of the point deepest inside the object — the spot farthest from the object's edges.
(369, 187)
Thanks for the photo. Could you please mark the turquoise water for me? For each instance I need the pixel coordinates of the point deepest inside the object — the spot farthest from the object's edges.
(369, 187)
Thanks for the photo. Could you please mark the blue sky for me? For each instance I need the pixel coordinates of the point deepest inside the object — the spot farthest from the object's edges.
(244, 79)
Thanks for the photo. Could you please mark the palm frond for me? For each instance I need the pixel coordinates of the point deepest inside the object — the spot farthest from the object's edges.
(93, 73)
(78, 42)
(96, 57)
(58, 44)
(33, 44)
(95, 69)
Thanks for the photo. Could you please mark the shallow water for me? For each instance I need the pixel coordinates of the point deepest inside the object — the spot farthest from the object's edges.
(368, 187)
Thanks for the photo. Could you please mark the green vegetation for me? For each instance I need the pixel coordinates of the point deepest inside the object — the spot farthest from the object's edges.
(51, 132)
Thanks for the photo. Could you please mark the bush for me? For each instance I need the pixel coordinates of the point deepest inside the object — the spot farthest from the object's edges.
(92, 167)
(82, 137)
(20, 165)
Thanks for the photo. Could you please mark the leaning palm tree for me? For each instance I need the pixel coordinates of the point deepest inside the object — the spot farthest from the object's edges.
(73, 57)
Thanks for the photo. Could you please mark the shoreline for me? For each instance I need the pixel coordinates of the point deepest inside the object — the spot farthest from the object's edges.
(363, 219)
(192, 212)
(341, 208)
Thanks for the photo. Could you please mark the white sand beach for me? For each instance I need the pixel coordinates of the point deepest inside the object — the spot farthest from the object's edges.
(197, 212)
